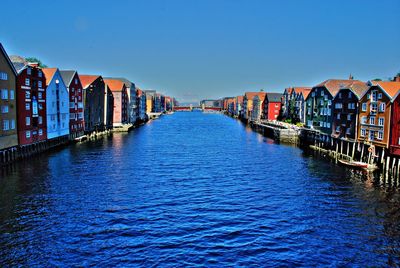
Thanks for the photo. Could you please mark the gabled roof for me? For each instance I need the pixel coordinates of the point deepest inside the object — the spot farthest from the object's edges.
(86, 80)
(49, 73)
(67, 76)
(357, 87)
(251, 95)
(8, 60)
(391, 88)
(334, 85)
(239, 99)
(274, 97)
(303, 90)
(114, 84)
(124, 80)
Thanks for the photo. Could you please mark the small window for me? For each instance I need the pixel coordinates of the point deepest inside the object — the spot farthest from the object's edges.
(27, 94)
(349, 117)
(364, 107)
(382, 107)
(76, 81)
(40, 120)
(6, 125)
(40, 106)
(29, 71)
(28, 121)
(40, 73)
(12, 94)
(27, 82)
(350, 95)
(322, 93)
(28, 134)
(338, 116)
(40, 95)
(363, 132)
(380, 135)
(363, 120)
(40, 132)
(372, 120)
(4, 109)
(380, 96)
(27, 106)
(3, 76)
(12, 124)
(39, 84)
(381, 121)
(4, 94)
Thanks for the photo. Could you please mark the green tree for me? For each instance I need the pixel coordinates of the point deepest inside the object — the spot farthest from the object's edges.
(36, 60)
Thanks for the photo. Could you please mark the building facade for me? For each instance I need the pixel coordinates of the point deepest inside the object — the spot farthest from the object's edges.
(375, 111)
(300, 105)
(141, 103)
(272, 106)
(256, 112)
(319, 104)
(345, 111)
(395, 122)
(108, 108)
(57, 104)
(76, 110)
(121, 101)
(32, 103)
(8, 102)
(93, 102)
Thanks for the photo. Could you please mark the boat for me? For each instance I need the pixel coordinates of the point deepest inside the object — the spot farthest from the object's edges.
(357, 164)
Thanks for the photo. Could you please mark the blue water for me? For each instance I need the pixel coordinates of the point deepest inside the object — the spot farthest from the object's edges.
(193, 189)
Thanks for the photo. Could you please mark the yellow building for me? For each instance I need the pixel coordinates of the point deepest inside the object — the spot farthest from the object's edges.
(8, 103)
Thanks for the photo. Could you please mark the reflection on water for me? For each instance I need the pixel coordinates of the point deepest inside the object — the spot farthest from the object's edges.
(194, 189)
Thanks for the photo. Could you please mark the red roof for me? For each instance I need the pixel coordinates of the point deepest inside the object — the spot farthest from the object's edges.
(303, 90)
(390, 87)
(251, 95)
(49, 73)
(334, 85)
(86, 80)
(114, 84)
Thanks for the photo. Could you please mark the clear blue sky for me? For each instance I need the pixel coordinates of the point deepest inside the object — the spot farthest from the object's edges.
(209, 48)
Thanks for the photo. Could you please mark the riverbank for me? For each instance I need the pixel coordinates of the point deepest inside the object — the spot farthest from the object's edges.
(341, 151)
(14, 154)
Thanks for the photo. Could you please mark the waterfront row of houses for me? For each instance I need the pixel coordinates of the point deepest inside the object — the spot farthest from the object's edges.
(347, 109)
(43, 104)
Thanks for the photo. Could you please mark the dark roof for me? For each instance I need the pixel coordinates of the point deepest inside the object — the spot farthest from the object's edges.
(8, 59)
(67, 76)
(127, 83)
(274, 97)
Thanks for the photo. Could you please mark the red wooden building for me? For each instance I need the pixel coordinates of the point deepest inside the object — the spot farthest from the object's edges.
(75, 92)
(272, 106)
(31, 103)
(394, 143)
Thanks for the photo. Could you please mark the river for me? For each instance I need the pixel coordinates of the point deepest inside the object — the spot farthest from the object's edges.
(193, 189)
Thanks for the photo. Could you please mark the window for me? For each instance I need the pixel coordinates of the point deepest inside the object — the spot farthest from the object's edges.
(329, 111)
(381, 121)
(40, 120)
(6, 125)
(374, 95)
(374, 107)
(322, 93)
(40, 106)
(4, 94)
(28, 134)
(64, 116)
(4, 109)
(12, 95)
(71, 105)
(71, 116)
(313, 94)
(12, 124)
(40, 95)
(380, 135)
(371, 135)
(40, 73)
(27, 106)
(53, 117)
(27, 82)
(363, 120)
(364, 107)
(76, 81)
(3, 76)
(340, 95)
(27, 94)
(382, 107)
(40, 132)
(39, 84)
(380, 96)
(29, 71)
(28, 121)
(348, 131)
(350, 95)
(338, 116)
(328, 125)
(329, 102)
(349, 117)
(79, 90)
(363, 132)
(372, 120)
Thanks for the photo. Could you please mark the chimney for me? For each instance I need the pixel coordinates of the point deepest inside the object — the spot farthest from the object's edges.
(351, 77)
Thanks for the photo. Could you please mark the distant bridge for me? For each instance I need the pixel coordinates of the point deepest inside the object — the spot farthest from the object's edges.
(198, 108)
